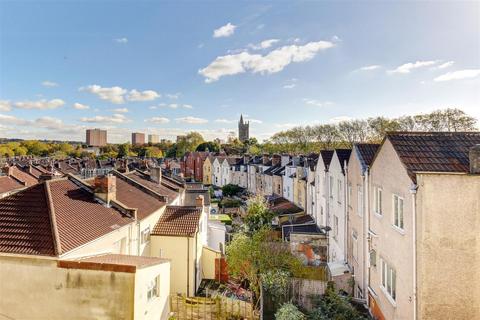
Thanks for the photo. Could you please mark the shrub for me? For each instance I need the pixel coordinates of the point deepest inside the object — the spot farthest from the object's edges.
(289, 311)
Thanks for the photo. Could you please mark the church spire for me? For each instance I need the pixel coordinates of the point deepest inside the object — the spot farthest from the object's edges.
(241, 118)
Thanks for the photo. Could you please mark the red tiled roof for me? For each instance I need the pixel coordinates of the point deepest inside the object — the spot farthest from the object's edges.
(29, 179)
(178, 221)
(434, 151)
(25, 226)
(8, 184)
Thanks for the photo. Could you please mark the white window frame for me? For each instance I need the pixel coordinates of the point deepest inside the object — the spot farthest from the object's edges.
(153, 288)
(145, 235)
(331, 186)
(378, 201)
(355, 245)
(398, 212)
(388, 281)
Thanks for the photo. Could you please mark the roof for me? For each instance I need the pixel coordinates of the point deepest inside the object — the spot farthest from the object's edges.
(23, 176)
(434, 151)
(366, 152)
(302, 229)
(53, 218)
(161, 188)
(343, 156)
(112, 262)
(8, 184)
(303, 219)
(327, 156)
(178, 221)
(281, 206)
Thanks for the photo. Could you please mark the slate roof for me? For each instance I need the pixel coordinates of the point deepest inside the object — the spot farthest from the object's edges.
(165, 188)
(303, 219)
(53, 218)
(178, 221)
(343, 156)
(302, 229)
(366, 153)
(434, 151)
(327, 156)
(281, 206)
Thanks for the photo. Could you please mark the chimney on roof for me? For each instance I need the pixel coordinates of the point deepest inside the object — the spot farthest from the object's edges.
(276, 159)
(7, 170)
(156, 175)
(105, 188)
(265, 158)
(45, 177)
(474, 156)
(199, 201)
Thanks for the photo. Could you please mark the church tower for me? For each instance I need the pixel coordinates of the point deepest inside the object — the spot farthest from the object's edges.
(243, 130)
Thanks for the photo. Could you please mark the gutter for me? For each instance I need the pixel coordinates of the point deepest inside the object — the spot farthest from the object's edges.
(413, 192)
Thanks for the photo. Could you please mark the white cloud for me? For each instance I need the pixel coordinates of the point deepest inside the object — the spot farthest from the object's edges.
(12, 120)
(191, 120)
(5, 105)
(121, 110)
(253, 120)
(49, 123)
(158, 120)
(224, 121)
(80, 106)
(152, 107)
(147, 95)
(42, 104)
(446, 65)
(173, 95)
(458, 75)
(116, 118)
(224, 31)
(187, 106)
(264, 44)
(370, 67)
(272, 62)
(290, 86)
(49, 84)
(121, 40)
(408, 67)
(317, 103)
(112, 94)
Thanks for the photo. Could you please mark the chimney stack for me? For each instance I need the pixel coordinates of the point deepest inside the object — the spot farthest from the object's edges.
(7, 170)
(105, 188)
(474, 156)
(199, 201)
(265, 158)
(156, 175)
(45, 177)
(276, 159)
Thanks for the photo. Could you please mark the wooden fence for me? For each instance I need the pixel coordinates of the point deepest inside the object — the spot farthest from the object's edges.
(217, 308)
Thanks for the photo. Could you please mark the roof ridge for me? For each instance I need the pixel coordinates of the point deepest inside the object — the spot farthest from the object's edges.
(53, 221)
(140, 186)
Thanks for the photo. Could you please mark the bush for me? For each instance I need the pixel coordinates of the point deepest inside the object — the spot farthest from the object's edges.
(289, 311)
(230, 190)
(334, 306)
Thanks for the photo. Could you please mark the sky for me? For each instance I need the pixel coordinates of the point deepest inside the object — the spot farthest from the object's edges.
(170, 67)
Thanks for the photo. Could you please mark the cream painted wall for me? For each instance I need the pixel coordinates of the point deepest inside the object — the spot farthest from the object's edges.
(208, 262)
(448, 246)
(158, 307)
(393, 246)
(40, 290)
(321, 196)
(336, 209)
(356, 213)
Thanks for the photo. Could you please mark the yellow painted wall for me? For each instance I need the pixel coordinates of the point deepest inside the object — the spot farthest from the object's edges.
(207, 172)
(448, 246)
(34, 288)
(208, 262)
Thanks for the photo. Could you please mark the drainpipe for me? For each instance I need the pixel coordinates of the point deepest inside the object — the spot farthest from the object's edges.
(413, 191)
(195, 265)
(345, 212)
(366, 235)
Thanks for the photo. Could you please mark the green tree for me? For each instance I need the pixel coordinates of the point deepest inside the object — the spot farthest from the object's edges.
(210, 145)
(258, 214)
(230, 190)
(188, 143)
(153, 152)
(289, 311)
(123, 150)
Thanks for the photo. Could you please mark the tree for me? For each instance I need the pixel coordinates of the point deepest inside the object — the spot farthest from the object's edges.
(230, 190)
(258, 214)
(332, 306)
(188, 143)
(123, 150)
(209, 145)
(153, 152)
(289, 311)
(249, 257)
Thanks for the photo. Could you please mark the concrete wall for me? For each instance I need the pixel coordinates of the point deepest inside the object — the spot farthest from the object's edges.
(448, 246)
(158, 307)
(390, 244)
(36, 288)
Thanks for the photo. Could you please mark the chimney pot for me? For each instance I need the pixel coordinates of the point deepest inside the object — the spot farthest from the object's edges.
(474, 156)
(156, 175)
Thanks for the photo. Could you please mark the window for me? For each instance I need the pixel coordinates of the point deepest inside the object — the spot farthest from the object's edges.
(145, 235)
(389, 280)
(359, 200)
(331, 187)
(350, 195)
(335, 226)
(398, 211)
(373, 258)
(378, 200)
(339, 191)
(354, 245)
(153, 288)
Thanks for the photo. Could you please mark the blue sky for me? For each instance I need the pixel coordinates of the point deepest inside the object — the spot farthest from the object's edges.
(171, 67)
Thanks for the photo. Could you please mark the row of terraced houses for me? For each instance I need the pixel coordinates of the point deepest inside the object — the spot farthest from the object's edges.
(401, 216)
